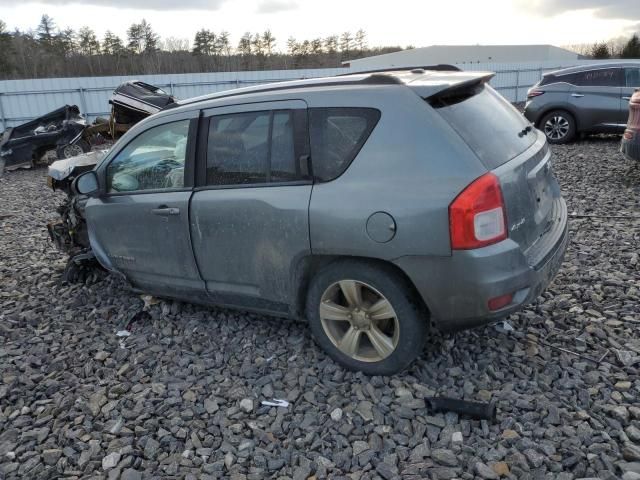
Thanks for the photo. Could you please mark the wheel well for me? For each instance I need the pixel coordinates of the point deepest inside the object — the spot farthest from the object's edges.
(557, 109)
(309, 266)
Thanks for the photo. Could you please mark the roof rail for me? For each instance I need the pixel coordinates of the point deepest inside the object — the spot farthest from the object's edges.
(275, 86)
(439, 68)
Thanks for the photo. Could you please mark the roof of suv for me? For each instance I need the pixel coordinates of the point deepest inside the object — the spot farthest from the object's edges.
(429, 82)
(594, 66)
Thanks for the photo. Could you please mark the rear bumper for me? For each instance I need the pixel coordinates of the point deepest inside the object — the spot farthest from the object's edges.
(630, 148)
(457, 288)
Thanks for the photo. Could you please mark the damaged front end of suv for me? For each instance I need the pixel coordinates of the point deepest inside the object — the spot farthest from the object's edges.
(69, 232)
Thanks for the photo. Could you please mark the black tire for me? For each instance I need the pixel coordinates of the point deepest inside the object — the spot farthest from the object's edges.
(559, 127)
(412, 320)
(62, 151)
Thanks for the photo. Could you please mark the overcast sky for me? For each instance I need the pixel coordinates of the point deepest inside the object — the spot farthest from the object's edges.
(400, 22)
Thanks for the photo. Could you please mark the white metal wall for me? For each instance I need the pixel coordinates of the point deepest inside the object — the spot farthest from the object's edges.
(23, 100)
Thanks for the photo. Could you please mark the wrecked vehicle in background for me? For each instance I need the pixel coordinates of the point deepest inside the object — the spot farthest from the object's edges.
(66, 131)
(133, 101)
(59, 130)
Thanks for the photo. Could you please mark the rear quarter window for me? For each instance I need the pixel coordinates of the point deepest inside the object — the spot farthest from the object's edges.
(337, 135)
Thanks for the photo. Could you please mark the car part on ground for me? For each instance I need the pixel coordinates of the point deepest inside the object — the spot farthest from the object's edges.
(464, 227)
(475, 410)
(630, 144)
(581, 100)
(26, 144)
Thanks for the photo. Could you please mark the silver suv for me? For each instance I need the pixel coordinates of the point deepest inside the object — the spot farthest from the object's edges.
(585, 99)
(367, 204)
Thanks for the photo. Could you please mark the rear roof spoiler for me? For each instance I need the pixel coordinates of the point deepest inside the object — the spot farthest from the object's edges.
(436, 68)
(450, 86)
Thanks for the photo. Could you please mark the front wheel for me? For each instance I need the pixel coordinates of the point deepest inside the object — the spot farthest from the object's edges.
(365, 317)
(68, 151)
(559, 126)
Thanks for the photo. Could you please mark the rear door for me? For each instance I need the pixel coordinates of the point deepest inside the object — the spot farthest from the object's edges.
(140, 227)
(631, 84)
(249, 213)
(595, 97)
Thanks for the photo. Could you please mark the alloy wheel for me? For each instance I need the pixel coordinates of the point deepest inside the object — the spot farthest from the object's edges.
(72, 151)
(556, 127)
(359, 320)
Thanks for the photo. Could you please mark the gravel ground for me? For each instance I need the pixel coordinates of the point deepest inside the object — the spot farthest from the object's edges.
(181, 397)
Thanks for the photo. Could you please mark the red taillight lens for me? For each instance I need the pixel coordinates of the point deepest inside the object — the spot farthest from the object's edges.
(500, 302)
(477, 216)
(534, 93)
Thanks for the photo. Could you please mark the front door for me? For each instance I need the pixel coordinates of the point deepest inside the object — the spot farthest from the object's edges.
(595, 97)
(140, 226)
(250, 210)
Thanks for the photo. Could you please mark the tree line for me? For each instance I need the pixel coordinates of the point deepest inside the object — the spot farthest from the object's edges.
(50, 51)
(620, 47)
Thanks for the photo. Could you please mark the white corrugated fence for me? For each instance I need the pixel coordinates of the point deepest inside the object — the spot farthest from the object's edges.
(24, 100)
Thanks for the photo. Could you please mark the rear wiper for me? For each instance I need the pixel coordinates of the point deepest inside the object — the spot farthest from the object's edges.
(525, 130)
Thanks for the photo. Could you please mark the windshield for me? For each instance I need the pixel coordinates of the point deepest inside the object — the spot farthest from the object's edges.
(488, 123)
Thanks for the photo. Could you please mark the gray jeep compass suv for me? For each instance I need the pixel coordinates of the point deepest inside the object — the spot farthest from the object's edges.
(587, 99)
(367, 204)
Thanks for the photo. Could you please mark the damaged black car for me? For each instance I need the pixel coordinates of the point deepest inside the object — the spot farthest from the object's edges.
(59, 130)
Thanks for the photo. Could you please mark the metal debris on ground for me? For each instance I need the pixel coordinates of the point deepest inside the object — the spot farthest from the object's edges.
(275, 403)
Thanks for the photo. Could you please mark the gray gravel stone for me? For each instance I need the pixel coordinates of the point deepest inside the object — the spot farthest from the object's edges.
(177, 383)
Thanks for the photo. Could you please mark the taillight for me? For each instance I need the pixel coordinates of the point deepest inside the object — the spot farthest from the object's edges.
(477, 215)
(534, 93)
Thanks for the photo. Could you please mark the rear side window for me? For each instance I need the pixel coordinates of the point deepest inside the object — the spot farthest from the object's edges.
(337, 135)
(604, 77)
(251, 148)
(489, 124)
(632, 77)
(547, 79)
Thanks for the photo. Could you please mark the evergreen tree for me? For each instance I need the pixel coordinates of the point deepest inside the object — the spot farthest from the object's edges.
(245, 44)
(6, 50)
(45, 33)
(600, 51)
(631, 48)
(88, 43)
(112, 44)
(268, 42)
(361, 40)
(346, 42)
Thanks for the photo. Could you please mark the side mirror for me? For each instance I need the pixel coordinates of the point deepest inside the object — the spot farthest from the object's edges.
(87, 184)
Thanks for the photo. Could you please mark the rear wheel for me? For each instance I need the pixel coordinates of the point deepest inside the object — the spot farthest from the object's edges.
(365, 318)
(559, 126)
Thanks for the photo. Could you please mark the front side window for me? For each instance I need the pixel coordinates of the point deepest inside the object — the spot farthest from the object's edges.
(632, 77)
(604, 77)
(251, 148)
(337, 135)
(153, 160)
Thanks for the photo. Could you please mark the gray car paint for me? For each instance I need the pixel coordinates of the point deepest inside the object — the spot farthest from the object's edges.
(250, 244)
(595, 109)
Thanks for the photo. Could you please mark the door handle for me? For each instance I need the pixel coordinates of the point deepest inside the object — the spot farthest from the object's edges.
(165, 211)
(577, 95)
(626, 98)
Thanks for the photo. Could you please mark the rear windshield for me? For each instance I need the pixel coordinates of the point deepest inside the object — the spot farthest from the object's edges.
(487, 123)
